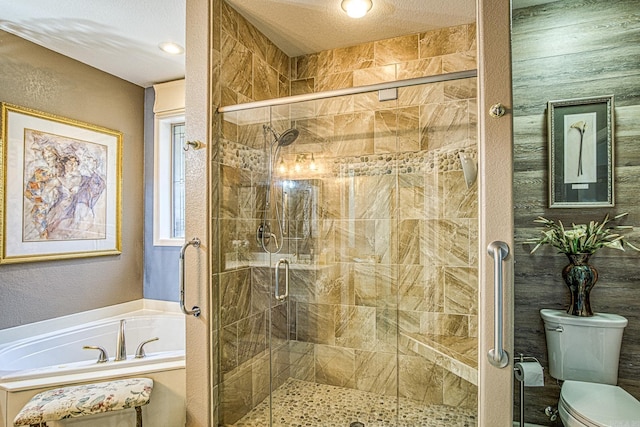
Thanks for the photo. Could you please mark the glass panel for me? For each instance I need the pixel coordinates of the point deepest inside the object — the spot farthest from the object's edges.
(177, 187)
(369, 208)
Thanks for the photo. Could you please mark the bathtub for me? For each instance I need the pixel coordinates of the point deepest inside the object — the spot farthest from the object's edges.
(50, 354)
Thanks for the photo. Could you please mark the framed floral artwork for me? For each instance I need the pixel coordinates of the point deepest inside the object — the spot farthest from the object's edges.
(581, 155)
(61, 187)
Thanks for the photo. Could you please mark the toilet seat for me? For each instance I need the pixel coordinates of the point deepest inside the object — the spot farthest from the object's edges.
(597, 405)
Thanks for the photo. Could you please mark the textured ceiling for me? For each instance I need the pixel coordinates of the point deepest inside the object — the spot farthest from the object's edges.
(121, 37)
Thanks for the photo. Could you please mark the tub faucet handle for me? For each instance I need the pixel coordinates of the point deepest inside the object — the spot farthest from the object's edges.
(103, 353)
(140, 350)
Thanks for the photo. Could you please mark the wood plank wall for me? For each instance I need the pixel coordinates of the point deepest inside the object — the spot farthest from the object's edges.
(563, 50)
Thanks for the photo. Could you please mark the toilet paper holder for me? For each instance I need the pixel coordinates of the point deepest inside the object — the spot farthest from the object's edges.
(523, 358)
(518, 375)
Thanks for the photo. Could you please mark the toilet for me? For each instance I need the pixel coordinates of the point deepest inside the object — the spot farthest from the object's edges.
(584, 353)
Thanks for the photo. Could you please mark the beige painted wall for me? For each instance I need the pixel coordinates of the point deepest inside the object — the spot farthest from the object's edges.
(34, 77)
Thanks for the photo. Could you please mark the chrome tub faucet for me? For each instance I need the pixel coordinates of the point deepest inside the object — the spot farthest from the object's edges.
(121, 347)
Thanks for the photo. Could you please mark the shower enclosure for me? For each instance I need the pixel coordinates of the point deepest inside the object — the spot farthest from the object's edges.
(348, 275)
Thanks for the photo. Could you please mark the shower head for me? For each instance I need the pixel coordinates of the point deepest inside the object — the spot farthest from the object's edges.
(286, 138)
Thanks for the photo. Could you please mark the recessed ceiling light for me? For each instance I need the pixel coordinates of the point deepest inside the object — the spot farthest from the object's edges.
(171, 48)
(356, 8)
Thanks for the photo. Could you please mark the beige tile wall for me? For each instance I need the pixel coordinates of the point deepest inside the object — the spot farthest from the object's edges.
(413, 55)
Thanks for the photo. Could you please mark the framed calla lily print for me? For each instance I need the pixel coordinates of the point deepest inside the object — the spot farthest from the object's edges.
(61, 187)
(581, 154)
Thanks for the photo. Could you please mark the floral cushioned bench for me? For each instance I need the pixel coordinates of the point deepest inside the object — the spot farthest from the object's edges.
(87, 399)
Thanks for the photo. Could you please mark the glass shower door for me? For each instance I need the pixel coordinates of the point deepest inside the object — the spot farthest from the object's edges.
(371, 222)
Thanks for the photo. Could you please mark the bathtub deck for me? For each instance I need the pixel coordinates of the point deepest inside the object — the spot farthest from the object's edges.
(300, 403)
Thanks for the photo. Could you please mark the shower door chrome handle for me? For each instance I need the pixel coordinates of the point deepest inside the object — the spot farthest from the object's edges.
(195, 311)
(498, 357)
(286, 280)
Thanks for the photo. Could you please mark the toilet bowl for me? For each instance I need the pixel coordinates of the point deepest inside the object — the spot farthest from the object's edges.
(584, 352)
(597, 405)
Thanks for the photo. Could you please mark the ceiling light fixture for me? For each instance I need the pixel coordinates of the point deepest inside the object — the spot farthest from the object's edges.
(171, 48)
(356, 8)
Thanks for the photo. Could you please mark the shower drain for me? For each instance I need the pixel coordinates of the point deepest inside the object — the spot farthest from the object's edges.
(356, 424)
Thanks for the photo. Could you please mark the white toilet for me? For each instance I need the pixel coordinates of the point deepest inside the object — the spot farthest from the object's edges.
(584, 353)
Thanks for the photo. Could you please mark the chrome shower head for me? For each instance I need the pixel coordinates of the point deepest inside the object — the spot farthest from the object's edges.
(286, 138)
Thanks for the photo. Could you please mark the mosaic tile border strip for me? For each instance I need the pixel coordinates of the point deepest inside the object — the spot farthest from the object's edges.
(446, 160)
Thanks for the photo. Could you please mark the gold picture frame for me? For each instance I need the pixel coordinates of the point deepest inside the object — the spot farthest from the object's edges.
(60, 194)
(581, 152)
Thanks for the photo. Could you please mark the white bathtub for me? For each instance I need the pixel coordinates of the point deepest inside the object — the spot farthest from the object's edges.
(49, 354)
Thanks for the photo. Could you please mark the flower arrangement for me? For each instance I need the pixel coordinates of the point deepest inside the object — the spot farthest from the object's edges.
(580, 238)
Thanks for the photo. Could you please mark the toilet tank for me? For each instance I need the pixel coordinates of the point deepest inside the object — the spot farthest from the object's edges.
(583, 348)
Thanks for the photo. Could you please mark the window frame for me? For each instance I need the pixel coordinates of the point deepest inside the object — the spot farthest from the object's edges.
(163, 178)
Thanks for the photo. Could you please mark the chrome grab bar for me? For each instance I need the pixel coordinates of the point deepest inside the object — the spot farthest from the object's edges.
(286, 279)
(498, 357)
(195, 311)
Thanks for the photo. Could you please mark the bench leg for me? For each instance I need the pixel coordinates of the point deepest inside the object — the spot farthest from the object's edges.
(138, 416)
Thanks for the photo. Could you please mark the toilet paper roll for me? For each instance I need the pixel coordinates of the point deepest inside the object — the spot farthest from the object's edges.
(530, 373)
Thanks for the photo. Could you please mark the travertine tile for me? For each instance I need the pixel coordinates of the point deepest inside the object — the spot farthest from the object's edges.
(386, 329)
(461, 290)
(253, 39)
(443, 124)
(236, 392)
(278, 60)
(302, 360)
(444, 41)
(376, 372)
(353, 134)
(419, 68)
(228, 19)
(302, 86)
(459, 393)
(411, 288)
(385, 130)
(335, 366)
(355, 327)
(235, 296)
(364, 279)
(316, 323)
(444, 324)
(461, 61)
(265, 80)
(236, 57)
(325, 82)
(260, 379)
(229, 348)
(396, 50)
(353, 58)
(426, 388)
(305, 67)
(374, 75)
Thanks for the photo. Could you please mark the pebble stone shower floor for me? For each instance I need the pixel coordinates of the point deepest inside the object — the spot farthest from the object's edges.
(304, 404)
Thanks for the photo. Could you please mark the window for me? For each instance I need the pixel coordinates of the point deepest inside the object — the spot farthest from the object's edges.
(169, 141)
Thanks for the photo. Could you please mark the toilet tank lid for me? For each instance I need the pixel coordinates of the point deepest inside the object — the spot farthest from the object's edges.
(602, 320)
